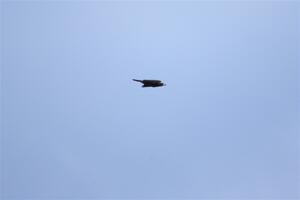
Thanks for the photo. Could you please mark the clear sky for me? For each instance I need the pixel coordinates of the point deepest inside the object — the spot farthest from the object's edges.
(74, 124)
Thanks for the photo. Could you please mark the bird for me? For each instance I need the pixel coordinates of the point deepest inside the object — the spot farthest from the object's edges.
(150, 83)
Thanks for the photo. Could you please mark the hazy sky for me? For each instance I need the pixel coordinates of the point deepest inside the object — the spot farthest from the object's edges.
(74, 124)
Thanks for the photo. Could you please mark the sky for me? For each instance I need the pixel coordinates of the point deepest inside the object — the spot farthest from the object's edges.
(75, 126)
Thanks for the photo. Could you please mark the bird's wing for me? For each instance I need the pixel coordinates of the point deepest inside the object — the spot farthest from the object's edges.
(151, 81)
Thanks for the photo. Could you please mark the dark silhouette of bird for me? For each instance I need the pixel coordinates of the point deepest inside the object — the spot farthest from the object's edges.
(150, 83)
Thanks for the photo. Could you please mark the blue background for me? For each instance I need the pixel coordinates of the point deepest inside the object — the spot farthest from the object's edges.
(74, 124)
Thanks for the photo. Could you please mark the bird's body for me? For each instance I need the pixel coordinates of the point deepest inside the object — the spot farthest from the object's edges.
(150, 83)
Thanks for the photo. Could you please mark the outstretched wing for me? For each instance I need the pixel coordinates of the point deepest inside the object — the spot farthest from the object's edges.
(151, 81)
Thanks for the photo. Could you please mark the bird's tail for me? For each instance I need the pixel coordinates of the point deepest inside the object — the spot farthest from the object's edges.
(137, 80)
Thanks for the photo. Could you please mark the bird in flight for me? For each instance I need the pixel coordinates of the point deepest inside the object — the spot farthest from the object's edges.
(150, 83)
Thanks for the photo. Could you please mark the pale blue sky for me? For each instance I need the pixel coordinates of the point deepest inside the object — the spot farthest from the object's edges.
(74, 124)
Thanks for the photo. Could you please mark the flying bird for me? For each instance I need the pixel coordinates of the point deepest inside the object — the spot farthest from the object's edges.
(150, 83)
